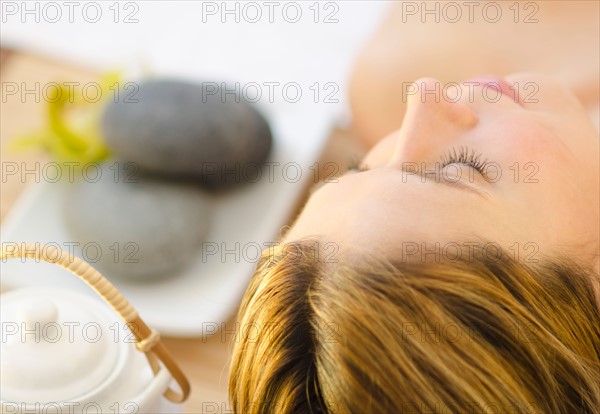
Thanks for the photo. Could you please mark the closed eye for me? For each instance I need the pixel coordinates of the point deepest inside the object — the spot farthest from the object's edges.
(466, 157)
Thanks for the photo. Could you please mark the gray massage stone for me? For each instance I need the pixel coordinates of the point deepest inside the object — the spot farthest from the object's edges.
(188, 130)
(145, 228)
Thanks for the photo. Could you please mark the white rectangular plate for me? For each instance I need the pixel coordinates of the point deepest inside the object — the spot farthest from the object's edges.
(202, 297)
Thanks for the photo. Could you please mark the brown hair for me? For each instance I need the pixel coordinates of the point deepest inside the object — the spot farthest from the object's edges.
(370, 336)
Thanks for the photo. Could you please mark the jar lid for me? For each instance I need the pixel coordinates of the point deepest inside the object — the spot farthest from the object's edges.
(57, 345)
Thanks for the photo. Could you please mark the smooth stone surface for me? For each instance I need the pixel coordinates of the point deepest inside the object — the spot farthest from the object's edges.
(145, 228)
(188, 129)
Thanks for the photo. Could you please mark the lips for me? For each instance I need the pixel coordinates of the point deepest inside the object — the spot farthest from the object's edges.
(496, 83)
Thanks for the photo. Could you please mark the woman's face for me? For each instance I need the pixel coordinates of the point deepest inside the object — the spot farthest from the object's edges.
(428, 191)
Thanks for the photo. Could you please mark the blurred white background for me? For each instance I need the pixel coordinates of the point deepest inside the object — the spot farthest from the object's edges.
(240, 41)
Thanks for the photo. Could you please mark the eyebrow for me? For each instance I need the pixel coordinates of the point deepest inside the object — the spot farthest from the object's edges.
(463, 186)
(460, 185)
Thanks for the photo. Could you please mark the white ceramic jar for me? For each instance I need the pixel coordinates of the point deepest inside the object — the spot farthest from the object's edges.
(65, 352)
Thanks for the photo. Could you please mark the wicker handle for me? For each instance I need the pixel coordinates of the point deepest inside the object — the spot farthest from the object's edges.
(148, 340)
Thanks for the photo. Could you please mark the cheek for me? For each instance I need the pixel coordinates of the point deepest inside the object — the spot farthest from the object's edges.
(546, 180)
(522, 143)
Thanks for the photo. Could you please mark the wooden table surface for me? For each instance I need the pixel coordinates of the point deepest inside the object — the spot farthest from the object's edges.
(205, 361)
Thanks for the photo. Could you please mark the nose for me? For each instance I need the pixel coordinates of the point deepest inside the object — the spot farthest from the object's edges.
(434, 120)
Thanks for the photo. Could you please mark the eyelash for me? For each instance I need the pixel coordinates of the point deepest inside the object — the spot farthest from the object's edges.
(357, 166)
(465, 156)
